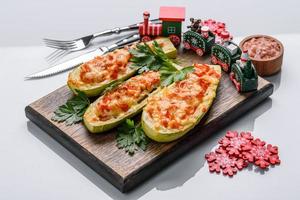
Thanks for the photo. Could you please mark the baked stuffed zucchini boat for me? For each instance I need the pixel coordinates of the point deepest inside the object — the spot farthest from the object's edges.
(122, 102)
(97, 74)
(179, 107)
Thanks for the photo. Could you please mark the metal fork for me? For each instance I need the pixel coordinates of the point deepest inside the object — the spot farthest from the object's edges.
(83, 42)
(56, 55)
(66, 47)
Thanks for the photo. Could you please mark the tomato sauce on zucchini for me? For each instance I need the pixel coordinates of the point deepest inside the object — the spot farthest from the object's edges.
(126, 95)
(172, 110)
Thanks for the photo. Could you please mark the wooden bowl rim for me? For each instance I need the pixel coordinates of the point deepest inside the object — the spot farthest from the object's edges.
(266, 36)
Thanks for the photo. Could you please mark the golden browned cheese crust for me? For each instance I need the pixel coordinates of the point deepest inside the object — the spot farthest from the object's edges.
(173, 108)
(126, 95)
(103, 68)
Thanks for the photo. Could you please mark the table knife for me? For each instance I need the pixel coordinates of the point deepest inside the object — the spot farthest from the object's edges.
(83, 58)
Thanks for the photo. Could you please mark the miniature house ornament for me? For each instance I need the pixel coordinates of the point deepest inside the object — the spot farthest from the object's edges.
(172, 18)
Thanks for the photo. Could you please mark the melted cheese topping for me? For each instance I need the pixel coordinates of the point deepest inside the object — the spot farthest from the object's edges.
(173, 107)
(125, 96)
(107, 67)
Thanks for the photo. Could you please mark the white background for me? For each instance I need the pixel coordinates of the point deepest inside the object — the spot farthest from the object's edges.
(26, 22)
(34, 166)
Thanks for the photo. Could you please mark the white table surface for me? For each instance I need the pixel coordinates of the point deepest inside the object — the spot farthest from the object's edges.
(34, 166)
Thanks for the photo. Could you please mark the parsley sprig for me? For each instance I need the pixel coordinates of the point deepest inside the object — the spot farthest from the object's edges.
(147, 58)
(130, 137)
(72, 111)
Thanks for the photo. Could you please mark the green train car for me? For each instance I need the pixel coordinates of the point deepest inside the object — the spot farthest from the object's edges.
(195, 41)
(244, 76)
(225, 55)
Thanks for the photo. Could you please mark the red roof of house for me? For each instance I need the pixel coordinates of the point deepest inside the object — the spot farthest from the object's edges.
(167, 13)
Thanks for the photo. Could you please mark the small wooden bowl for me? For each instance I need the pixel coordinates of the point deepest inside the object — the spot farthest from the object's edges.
(266, 67)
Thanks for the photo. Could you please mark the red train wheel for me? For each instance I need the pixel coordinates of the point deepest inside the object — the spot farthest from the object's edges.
(235, 82)
(146, 38)
(175, 39)
(214, 60)
(237, 86)
(200, 52)
(231, 76)
(225, 67)
(186, 45)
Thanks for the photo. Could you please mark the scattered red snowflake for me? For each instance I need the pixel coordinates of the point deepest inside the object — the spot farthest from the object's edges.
(233, 142)
(220, 160)
(236, 150)
(261, 154)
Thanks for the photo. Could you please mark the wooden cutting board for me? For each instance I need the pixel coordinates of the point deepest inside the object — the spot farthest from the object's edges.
(124, 171)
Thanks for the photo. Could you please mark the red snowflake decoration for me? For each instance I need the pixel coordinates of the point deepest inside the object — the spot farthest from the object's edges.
(215, 27)
(236, 150)
(220, 160)
(261, 154)
(233, 142)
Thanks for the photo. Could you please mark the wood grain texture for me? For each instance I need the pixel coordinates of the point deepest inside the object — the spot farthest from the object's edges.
(123, 171)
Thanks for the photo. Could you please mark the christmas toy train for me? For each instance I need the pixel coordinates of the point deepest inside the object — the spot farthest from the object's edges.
(170, 26)
(211, 37)
(203, 37)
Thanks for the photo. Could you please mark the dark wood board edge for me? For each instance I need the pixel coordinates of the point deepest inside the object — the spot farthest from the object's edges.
(167, 158)
(70, 144)
(134, 179)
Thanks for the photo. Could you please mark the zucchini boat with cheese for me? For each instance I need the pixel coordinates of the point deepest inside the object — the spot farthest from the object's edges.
(95, 75)
(124, 101)
(179, 107)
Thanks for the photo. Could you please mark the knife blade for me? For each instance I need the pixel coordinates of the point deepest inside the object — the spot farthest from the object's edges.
(66, 65)
(83, 58)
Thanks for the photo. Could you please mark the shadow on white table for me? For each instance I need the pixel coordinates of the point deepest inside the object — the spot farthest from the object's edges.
(185, 168)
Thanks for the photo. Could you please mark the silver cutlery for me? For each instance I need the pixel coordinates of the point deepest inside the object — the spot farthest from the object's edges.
(78, 44)
(56, 55)
(81, 43)
(83, 58)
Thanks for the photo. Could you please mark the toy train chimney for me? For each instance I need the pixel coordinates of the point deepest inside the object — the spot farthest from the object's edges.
(244, 56)
(146, 19)
(204, 31)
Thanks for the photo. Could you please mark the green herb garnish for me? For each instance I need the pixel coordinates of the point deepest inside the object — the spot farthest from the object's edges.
(72, 111)
(147, 58)
(168, 76)
(130, 137)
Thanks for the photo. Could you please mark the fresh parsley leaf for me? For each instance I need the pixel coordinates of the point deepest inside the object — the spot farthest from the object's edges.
(140, 138)
(147, 58)
(72, 111)
(125, 141)
(130, 137)
(168, 77)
